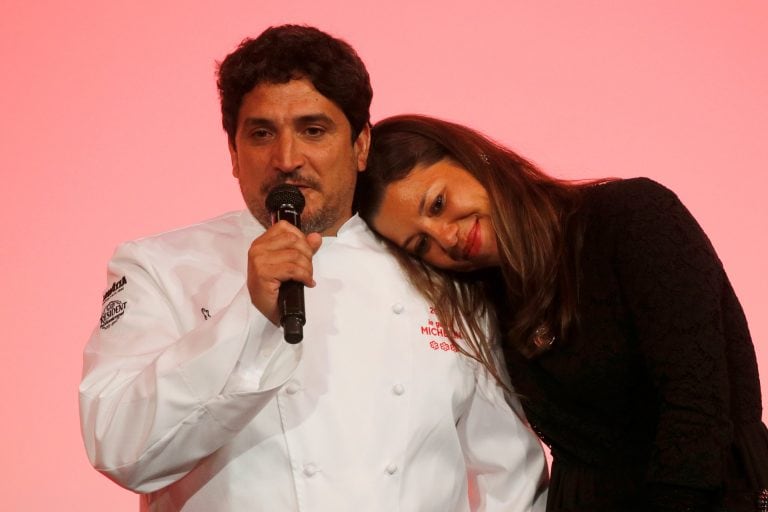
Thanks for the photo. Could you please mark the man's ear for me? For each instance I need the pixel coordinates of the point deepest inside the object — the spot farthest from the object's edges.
(361, 146)
(233, 158)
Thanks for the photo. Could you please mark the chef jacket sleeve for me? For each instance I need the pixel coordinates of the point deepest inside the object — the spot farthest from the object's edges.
(506, 464)
(154, 399)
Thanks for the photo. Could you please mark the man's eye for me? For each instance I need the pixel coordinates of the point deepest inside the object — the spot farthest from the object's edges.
(437, 205)
(314, 131)
(260, 133)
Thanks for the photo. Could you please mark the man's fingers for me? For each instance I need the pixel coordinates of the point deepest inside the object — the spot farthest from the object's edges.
(282, 253)
(282, 236)
(314, 240)
(285, 266)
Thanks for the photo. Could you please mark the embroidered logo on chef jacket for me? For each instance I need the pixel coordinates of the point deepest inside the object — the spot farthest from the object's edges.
(433, 329)
(112, 313)
(116, 287)
(443, 345)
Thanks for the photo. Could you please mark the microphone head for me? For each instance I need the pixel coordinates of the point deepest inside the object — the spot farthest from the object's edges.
(285, 195)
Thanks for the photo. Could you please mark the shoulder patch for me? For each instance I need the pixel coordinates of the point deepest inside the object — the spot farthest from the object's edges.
(112, 313)
(116, 287)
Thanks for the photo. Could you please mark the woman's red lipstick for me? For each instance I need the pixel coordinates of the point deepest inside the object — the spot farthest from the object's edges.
(472, 244)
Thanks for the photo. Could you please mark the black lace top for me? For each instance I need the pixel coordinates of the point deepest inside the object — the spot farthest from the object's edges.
(654, 404)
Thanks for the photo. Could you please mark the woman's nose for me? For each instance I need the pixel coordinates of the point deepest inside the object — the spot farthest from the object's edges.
(446, 234)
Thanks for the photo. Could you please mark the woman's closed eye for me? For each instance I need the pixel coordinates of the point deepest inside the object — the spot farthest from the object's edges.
(421, 247)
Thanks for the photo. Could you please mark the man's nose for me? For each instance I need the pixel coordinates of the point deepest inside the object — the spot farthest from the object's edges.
(286, 155)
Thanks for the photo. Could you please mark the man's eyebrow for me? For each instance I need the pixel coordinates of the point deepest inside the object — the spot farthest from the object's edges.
(407, 241)
(258, 121)
(300, 121)
(314, 118)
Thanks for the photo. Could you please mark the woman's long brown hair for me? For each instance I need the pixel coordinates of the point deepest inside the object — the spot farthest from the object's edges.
(533, 215)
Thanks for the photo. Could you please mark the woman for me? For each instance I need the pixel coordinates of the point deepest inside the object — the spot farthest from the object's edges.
(620, 330)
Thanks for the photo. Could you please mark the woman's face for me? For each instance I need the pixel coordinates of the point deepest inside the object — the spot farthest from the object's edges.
(440, 213)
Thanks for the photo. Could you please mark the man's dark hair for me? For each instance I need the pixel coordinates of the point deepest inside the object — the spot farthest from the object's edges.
(288, 52)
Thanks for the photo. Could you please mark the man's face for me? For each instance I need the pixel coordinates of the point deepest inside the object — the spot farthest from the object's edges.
(290, 133)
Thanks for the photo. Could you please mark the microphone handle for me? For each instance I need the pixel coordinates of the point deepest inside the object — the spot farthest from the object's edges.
(290, 298)
(291, 301)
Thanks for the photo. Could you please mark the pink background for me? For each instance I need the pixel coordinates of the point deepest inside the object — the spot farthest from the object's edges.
(110, 130)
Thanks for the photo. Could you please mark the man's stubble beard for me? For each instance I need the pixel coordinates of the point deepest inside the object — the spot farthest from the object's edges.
(320, 220)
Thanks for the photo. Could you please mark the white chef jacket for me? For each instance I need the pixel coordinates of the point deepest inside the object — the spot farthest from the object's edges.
(192, 398)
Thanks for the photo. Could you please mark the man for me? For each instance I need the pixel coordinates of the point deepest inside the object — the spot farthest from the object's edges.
(191, 397)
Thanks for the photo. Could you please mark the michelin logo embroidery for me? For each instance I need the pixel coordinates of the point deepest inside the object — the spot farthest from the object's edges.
(434, 329)
(112, 313)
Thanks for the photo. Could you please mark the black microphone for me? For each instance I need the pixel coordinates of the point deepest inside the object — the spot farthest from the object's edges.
(285, 202)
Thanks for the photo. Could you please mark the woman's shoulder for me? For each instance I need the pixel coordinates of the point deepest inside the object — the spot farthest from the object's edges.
(641, 215)
(621, 197)
(630, 190)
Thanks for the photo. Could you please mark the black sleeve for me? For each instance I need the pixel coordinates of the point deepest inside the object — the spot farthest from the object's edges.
(672, 281)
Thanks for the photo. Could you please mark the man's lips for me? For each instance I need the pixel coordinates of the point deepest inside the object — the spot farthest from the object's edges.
(472, 243)
(301, 185)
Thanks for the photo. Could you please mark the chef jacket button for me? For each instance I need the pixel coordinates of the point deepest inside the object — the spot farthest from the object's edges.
(391, 469)
(398, 308)
(398, 389)
(310, 469)
(292, 387)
